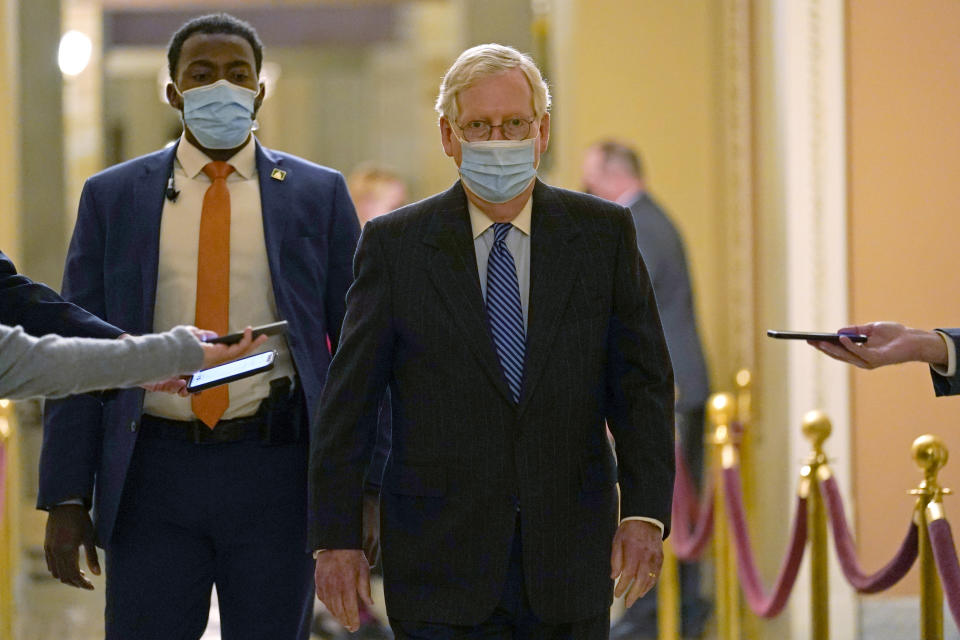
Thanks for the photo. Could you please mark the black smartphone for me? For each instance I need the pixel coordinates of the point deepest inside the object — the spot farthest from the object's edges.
(230, 371)
(272, 329)
(813, 335)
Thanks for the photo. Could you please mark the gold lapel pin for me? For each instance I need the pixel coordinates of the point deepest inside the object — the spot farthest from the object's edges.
(278, 174)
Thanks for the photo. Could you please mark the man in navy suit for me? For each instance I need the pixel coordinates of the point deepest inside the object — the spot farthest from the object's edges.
(893, 343)
(40, 310)
(209, 490)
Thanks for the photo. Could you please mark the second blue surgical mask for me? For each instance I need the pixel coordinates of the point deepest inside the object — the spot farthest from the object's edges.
(219, 115)
(498, 170)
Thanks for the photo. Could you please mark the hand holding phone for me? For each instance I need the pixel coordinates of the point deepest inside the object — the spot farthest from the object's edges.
(230, 371)
(272, 329)
(816, 336)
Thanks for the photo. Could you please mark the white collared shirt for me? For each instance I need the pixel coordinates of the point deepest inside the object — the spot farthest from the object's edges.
(251, 291)
(517, 241)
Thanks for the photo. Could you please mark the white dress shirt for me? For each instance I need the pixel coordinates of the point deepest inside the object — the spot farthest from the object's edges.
(251, 289)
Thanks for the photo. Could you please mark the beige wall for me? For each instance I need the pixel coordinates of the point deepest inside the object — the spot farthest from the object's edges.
(904, 140)
(9, 216)
(645, 71)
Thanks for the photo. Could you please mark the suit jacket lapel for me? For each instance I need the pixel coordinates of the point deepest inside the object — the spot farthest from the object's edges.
(147, 210)
(453, 271)
(554, 265)
(274, 198)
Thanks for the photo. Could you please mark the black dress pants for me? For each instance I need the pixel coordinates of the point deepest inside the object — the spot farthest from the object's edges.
(511, 620)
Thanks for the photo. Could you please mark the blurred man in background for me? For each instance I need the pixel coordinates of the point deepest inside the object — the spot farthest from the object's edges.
(375, 191)
(612, 170)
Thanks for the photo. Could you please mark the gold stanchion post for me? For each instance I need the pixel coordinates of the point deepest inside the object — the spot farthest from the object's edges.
(931, 455)
(817, 428)
(8, 543)
(720, 413)
(744, 383)
(668, 596)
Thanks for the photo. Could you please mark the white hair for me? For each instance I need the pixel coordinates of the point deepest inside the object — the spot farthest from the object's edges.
(482, 61)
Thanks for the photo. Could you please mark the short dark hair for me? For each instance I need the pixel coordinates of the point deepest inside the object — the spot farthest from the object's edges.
(213, 23)
(616, 152)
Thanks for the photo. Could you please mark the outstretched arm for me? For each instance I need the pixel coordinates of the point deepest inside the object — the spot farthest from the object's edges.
(887, 343)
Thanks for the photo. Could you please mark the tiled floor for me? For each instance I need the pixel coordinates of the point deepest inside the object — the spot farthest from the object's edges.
(52, 611)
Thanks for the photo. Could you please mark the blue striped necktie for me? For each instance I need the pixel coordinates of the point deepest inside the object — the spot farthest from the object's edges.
(504, 312)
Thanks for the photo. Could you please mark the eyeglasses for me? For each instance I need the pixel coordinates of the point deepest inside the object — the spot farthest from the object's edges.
(480, 130)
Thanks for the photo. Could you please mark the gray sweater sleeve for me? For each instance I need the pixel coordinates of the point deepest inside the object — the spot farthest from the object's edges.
(53, 366)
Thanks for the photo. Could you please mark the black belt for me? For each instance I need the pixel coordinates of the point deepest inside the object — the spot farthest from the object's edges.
(280, 419)
(195, 431)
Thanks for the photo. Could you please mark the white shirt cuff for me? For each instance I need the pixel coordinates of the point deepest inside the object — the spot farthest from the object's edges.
(70, 501)
(653, 521)
(951, 369)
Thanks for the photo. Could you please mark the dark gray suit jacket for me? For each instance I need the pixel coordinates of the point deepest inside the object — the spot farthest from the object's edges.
(467, 461)
(662, 249)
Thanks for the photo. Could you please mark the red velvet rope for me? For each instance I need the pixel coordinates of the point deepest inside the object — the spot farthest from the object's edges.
(886, 577)
(685, 497)
(762, 604)
(692, 517)
(689, 545)
(945, 554)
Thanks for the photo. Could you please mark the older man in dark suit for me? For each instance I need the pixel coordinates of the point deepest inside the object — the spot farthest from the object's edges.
(511, 320)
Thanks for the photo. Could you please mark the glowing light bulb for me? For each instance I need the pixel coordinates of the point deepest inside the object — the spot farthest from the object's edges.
(74, 54)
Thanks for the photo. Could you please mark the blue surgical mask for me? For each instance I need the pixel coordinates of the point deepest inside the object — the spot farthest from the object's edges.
(498, 170)
(219, 115)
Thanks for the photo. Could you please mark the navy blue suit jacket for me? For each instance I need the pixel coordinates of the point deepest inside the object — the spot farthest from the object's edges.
(40, 310)
(311, 231)
(942, 385)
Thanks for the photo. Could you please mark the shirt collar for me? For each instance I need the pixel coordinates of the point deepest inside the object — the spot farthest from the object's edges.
(480, 222)
(627, 198)
(193, 160)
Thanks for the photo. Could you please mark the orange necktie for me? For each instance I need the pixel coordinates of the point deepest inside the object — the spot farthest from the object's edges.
(213, 280)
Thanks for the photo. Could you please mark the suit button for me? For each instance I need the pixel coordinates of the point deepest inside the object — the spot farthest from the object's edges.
(133, 425)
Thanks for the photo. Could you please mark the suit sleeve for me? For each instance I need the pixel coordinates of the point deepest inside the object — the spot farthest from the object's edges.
(73, 433)
(41, 311)
(944, 385)
(639, 389)
(343, 432)
(344, 232)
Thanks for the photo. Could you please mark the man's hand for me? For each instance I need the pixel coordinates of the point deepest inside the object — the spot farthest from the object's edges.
(341, 576)
(371, 527)
(636, 558)
(887, 343)
(214, 354)
(68, 527)
(177, 384)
